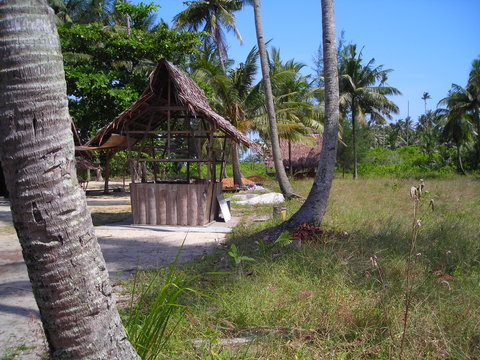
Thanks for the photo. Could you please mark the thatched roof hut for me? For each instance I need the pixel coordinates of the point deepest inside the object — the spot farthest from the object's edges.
(169, 90)
(300, 157)
(171, 122)
(85, 165)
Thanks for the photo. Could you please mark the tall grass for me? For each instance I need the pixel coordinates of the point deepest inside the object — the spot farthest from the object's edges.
(154, 299)
(343, 297)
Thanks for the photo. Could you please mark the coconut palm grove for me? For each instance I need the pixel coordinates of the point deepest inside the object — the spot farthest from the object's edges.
(370, 249)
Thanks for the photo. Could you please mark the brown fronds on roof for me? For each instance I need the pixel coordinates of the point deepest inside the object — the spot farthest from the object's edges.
(168, 87)
(83, 164)
(302, 157)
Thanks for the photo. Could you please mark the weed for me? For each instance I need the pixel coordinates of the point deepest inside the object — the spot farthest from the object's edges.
(238, 259)
(266, 248)
(147, 322)
(14, 352)
(415, 194)
(345, 297)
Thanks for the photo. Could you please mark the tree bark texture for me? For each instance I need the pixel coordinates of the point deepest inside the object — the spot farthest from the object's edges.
(64, 261)
(459, 161)
(108, 159)
(282, 178)
(237, 173)
(476, 115)
(315, 205)
(354, 142)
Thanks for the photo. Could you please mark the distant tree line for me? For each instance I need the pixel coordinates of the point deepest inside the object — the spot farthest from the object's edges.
(110, 48)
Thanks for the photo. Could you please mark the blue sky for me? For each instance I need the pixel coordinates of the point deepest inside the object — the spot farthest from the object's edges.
(429, 44)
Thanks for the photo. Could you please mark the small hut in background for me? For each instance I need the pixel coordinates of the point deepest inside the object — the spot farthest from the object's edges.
(84, 167)
(171, 123)
(300, 158)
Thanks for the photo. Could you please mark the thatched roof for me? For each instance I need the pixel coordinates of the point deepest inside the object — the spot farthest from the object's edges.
(303, 157)
(83, 164)
(185, 95)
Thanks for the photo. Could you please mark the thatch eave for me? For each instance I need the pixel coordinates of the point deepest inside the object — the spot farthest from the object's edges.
(187, 94)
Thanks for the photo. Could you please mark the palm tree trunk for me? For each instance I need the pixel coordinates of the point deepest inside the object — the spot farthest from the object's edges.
(477, 159)
(459, 160)
(64, 261)
(354, 143)
(282, 178)
(108, 160)
(314, 207)
(237, 173)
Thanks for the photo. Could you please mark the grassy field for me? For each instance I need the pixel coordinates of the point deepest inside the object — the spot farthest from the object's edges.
(343, 295)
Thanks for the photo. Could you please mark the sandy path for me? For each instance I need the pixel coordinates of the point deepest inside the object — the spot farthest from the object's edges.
(125, 250)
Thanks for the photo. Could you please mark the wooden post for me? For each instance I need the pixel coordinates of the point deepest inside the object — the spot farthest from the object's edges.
(151, 204)
(211, 171)
(161, 203)
(168, 120)
(172, 205)
(130, 158)
(134, 202)
(192, 204)
(155, 166)
(290, 157)
(222, 166)
(182, 204)
(202, 191)
(141, 204)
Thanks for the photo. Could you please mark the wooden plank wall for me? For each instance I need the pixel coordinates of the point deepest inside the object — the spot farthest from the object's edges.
(173, 204)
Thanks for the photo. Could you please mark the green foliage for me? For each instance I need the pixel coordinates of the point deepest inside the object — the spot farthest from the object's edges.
(139, 14)
(266, 248)
(404, 162)
(331, 300)
(237, 258)
(296, 113)
(106, 67)
(152, 305)
(361, 303)
(14, 352)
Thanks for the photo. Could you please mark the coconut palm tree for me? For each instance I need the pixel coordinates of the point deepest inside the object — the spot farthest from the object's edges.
(280, 173)
(314, 207)
(294, 95)
(473, 85)
(232, 96)
(463, 104)
(81, 11)
(457, 129)
(473, 88)
(428, 132)
(363, 92)
(298, 117)
(425, 97)
(65, 264)
(211, 16)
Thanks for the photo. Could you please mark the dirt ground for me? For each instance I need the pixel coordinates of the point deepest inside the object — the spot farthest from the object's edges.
(125, 249)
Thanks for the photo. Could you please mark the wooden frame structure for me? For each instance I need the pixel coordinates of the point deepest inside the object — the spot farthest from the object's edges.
(171, 122)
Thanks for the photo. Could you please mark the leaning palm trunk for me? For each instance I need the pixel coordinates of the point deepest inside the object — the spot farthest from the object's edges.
(314, 207)
(65, 265)
(354, 142)
(477, 117)
(282, 178)
(459, 160)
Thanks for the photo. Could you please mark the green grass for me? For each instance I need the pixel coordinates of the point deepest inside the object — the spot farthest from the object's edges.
(15, 352)
(328, 299)
(7, 230)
